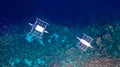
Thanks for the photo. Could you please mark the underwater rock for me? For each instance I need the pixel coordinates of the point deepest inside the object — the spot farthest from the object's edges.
(107, 37)
(40, 41)
(29, 37)
(28, 62)
(111, 28)
(119, 47)
(99, 41)
(40, 61)
(103, 62)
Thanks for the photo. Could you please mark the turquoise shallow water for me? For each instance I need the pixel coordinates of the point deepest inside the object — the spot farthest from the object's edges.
(58, 47)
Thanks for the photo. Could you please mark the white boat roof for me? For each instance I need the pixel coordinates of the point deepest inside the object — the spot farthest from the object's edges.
(39, 28)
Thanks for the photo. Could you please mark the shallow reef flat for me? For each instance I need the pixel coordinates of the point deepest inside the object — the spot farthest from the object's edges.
(58, 47)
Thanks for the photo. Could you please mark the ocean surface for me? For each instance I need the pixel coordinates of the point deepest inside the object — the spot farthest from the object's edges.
(99, 19)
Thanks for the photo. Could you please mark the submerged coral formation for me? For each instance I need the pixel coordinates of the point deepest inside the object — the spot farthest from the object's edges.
(58, 47)
(103, 62)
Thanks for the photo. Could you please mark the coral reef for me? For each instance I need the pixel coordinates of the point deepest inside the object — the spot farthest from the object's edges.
(58, 47)
(103, 62)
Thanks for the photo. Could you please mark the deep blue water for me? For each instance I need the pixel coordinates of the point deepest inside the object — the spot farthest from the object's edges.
(61, 11)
